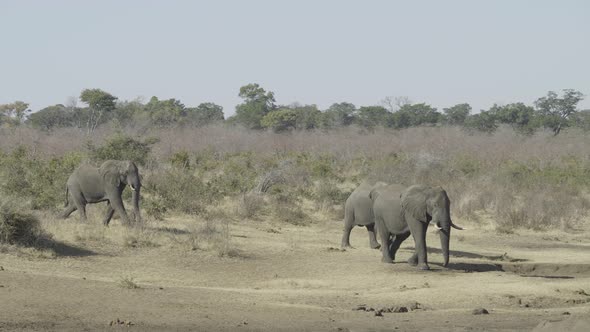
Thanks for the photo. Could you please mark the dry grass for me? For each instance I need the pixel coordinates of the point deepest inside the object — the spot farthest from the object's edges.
(536, 182)
(128, 282)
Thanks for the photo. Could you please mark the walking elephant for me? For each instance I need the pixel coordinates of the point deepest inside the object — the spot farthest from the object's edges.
(89, 184)
(401, 211)
(358, 211)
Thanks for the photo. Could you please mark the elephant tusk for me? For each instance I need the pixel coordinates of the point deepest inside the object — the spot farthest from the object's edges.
(457, 227)
(130, 186)
(437, 227)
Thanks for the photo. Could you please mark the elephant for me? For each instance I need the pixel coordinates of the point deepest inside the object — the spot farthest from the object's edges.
(358, 211)
(401, 211)
(88, 184)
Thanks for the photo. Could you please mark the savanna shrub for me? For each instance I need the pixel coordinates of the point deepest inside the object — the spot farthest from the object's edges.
(122, 147)
(17, 227)
(40, 181)
(181, 159)
(180, 191)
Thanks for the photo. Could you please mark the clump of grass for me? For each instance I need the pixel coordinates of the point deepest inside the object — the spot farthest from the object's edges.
(213, 236)
(128, 282)
(20, 228)
(139, 237)
(249, 205)
(155, 207)
(178, 190)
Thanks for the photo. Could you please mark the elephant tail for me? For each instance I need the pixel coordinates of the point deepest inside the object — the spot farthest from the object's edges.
(67, 193)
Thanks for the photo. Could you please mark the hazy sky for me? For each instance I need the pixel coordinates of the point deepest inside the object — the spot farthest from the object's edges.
(312, 52)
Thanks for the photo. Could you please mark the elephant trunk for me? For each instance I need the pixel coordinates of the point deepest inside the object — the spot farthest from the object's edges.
(135, 199)
(445, 237)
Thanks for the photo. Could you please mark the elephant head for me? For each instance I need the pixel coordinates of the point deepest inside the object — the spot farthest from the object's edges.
(118, 174)
(431, 205)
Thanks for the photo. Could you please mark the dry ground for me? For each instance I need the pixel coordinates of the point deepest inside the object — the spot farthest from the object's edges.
(185, 274)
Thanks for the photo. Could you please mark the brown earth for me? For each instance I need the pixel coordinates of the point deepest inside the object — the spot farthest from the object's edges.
(264, 276)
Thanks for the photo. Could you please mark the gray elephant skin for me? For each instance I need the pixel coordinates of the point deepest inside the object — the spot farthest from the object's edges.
(89, 184)
(401, 211)
(358, 211)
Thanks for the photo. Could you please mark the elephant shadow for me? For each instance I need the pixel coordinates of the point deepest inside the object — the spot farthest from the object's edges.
(62, 249)
(171, 230)
(475, 266)
(466, 254)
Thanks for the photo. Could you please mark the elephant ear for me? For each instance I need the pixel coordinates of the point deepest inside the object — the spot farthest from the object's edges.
(375, 192)
(110, 171)
(414, 202)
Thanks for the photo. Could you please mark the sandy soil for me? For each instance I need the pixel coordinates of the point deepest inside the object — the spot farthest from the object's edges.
(275, 277)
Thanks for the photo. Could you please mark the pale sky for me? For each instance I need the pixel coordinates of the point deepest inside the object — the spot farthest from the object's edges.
(311, 52)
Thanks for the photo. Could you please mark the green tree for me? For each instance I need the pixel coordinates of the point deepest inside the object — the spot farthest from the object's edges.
(257, 103)
(127, 112)
(456, 115)
(205, 113)
(280, 120)
(56, 116)
(99, 103)
(517, 115)
(123, 147)
(556, 112)
(307, 116)
(582, 120)
(339, 115)
(372, 116)
(410, 115)
(300, 117)
(484, 121)
(163, 113)
(14, 113)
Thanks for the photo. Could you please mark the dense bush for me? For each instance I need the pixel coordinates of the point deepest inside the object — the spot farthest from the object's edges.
(123, 147)
(537, 181)
(40, 181)
(17, 227)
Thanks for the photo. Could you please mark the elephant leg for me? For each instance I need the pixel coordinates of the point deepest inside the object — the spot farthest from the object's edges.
(385, 242)
(418, 230)
(82, 209)
(399, 238)
(413, 260)
(346, 236)
(348, 226)
(69, 209)
(116, 203)
(372, 237)
(108, 215)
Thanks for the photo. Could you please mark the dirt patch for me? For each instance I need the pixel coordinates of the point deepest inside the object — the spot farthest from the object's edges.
(549, 269)
(294, 279)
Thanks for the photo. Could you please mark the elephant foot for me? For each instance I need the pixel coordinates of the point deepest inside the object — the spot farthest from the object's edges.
(387, 260)
(346, 246)
(375, 245)
(423, 267)
(413, 260)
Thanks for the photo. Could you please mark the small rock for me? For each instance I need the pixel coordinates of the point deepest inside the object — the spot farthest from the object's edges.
(160, 288)
(1, 286)
(379, 313)
(479, 311)
(416, 306)
(566, 313)
(361, 307)
(1, 268)
(400, 309)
